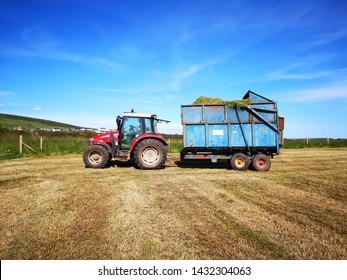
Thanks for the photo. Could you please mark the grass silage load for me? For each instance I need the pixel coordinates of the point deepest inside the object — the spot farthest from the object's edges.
(203, 100)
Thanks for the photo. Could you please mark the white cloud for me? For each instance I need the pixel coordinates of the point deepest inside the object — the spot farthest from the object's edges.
(38, 41)
(300, 76)
(189, 72)
(2, 105)
(183, 75)
(6, 93)
(58, 55)
(319, 94)
(126, 90)
(292, 71)
(37, 108)
(323, 39)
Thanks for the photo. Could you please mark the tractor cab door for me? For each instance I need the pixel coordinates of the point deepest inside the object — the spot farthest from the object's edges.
(131, 128)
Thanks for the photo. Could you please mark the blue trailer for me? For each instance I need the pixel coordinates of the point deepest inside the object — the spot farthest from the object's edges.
(242, 135)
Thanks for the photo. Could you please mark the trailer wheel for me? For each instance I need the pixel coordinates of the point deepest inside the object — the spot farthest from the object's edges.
(96, 156)
(239, 162)
(150, 154)
(261, 162)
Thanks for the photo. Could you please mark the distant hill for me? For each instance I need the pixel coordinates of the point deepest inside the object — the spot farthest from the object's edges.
(10, 121)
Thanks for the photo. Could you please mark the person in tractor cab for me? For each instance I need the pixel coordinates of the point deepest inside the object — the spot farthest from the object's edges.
(132, 132)
(132, 129)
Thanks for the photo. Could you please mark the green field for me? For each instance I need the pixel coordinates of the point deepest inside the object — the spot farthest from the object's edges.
(52, 207)
(11, 121)
(54, 143)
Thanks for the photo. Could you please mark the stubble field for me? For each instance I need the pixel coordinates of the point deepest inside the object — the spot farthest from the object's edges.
(55, 208)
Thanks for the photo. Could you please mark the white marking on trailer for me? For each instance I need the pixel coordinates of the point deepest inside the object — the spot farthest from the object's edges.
(217, 132)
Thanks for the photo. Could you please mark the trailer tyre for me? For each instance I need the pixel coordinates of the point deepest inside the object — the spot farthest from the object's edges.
(239, 162)
(150, 154)
(96, 156)
(261, 162)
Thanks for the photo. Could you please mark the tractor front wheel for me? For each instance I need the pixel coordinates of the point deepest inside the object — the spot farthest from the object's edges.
(96, 156)
(150, 154)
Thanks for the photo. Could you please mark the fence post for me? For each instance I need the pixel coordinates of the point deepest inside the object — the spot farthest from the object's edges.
(307, 141)
(328, 141)
(169, 144)
(20, 144)
(41, 143)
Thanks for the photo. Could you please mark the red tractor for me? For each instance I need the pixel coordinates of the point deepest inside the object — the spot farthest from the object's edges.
(135, 138)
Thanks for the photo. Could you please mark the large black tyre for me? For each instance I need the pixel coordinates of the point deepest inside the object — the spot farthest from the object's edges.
(150, 154)
(240, 162)
(96, 156)
(261, 162)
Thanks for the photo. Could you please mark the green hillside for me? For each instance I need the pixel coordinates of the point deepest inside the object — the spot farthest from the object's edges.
(10, 121)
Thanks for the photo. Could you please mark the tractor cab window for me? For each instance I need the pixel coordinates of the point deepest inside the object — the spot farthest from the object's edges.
(149, 126)
(131, 128)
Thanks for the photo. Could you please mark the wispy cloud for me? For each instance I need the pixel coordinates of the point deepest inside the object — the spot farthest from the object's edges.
(275, 76)
(58, 55)
(324, 93)
(163, 82)
(135, 90)
(37, 109)
(2, 105)
(169, 82)
(38, 42)
(189, 72)
(112, 90)
(326, 39)
(305, 70)
(6, 93)
(180, 77)
(159, 99)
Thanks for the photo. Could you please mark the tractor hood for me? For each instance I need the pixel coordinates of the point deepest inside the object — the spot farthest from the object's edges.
(105, 137)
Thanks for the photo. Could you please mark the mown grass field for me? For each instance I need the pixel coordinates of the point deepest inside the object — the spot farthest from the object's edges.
(55, 208)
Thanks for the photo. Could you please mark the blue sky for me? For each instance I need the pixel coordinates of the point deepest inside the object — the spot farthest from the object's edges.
(85, 62)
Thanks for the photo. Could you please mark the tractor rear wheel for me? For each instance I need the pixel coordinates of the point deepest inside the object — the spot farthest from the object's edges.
(239, 162)
(261, 162)
(96, 156)
(150, 154)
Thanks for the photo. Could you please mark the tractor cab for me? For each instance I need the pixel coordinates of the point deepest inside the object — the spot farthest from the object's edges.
(132, 125)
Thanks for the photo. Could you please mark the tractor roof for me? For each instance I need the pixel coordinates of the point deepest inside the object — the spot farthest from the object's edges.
(138, 115)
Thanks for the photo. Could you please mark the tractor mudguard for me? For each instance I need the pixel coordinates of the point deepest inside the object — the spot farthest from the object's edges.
(108, 148)
(147, 135)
